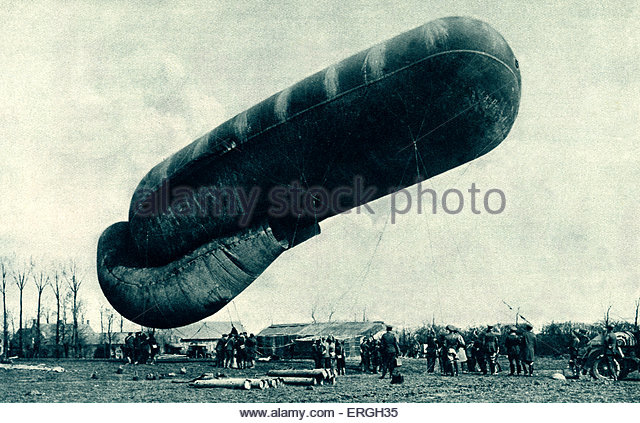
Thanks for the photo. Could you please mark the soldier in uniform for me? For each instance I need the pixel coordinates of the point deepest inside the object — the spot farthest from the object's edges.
(451, 346)
(478, 351)
(332, 353)
(136, 348)
(362, 354)
(375, 355)
(144, 348)
(512, 344)
(491, 349)
(340, 357)
(316, 350)
(128, 348)
(432, 351)
(251, 348)
(611, 348)
(326, 357)
(365, 352)
(527, 349)
(442, 353)
(574, 352)
(153, 348)
(228, 351)
(462, 352)
(389, 349)
(241, 350)
(220, 350)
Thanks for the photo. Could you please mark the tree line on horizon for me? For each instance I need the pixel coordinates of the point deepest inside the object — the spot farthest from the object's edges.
(57, 291)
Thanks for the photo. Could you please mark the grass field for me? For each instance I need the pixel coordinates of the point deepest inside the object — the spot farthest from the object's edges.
(76, 385)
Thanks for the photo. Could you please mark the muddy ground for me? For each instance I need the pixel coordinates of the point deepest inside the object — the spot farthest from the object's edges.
(76, 385)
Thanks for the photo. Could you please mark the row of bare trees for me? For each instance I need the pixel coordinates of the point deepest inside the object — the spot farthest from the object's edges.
(63, 280)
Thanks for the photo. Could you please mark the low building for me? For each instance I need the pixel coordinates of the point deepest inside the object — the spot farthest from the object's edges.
(295, 339)
(88, 340)
(204, 333)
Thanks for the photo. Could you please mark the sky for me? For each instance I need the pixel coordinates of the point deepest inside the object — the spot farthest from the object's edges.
(94, 94)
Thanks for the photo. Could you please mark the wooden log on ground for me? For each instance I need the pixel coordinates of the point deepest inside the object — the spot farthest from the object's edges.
(258, 384)
(300, 381)
(229, 383)
(317, 374)
(56, 369)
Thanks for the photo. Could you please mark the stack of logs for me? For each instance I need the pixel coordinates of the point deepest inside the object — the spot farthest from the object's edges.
(305, 377)
(274, 379)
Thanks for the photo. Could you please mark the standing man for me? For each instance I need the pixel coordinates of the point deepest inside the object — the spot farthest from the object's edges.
(528, 349)
(365, 355)
(316, 350)
(512, 344)
(251, 348)
(331, 347)
(375, 355)
(153, 348)
(478, 351)
(490, 350)
(432, 351)
(137, 344)
(128, 348)
(326, 358)
(228, 351)
(241, 356)
(574, 353)
(390, 350)
(220, 350)
(451, 346)
(340, 357)
(144, 348)
(612, 350)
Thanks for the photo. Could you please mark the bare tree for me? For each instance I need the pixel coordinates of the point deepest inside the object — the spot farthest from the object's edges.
(332, 311)
(102, 312)
(58, 291)
(635, 321)
(4, 274)
(74, 283)
(109, 317)
(21, 277)
(41, 280)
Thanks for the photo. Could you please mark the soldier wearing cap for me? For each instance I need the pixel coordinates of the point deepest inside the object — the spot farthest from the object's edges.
(220, 350)
(512, 344)
(390, 350)
(490, 350)
(610, 340)
(611, 345)
(432, 351)
(527, 349)
(452, 343)
(575, 343)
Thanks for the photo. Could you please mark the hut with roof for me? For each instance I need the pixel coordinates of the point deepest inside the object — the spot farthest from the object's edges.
(295, 339)
(206, 333)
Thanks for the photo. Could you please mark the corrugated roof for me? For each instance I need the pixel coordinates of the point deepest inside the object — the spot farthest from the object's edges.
(337, 329)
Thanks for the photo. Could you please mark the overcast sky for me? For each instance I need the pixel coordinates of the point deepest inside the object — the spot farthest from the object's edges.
(96, 93)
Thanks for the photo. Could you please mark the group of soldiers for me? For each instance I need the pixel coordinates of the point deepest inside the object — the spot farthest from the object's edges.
(236, 350)
(454, 353)
(480, 354)
(328, 353)
(140, 348)
(380, 354)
